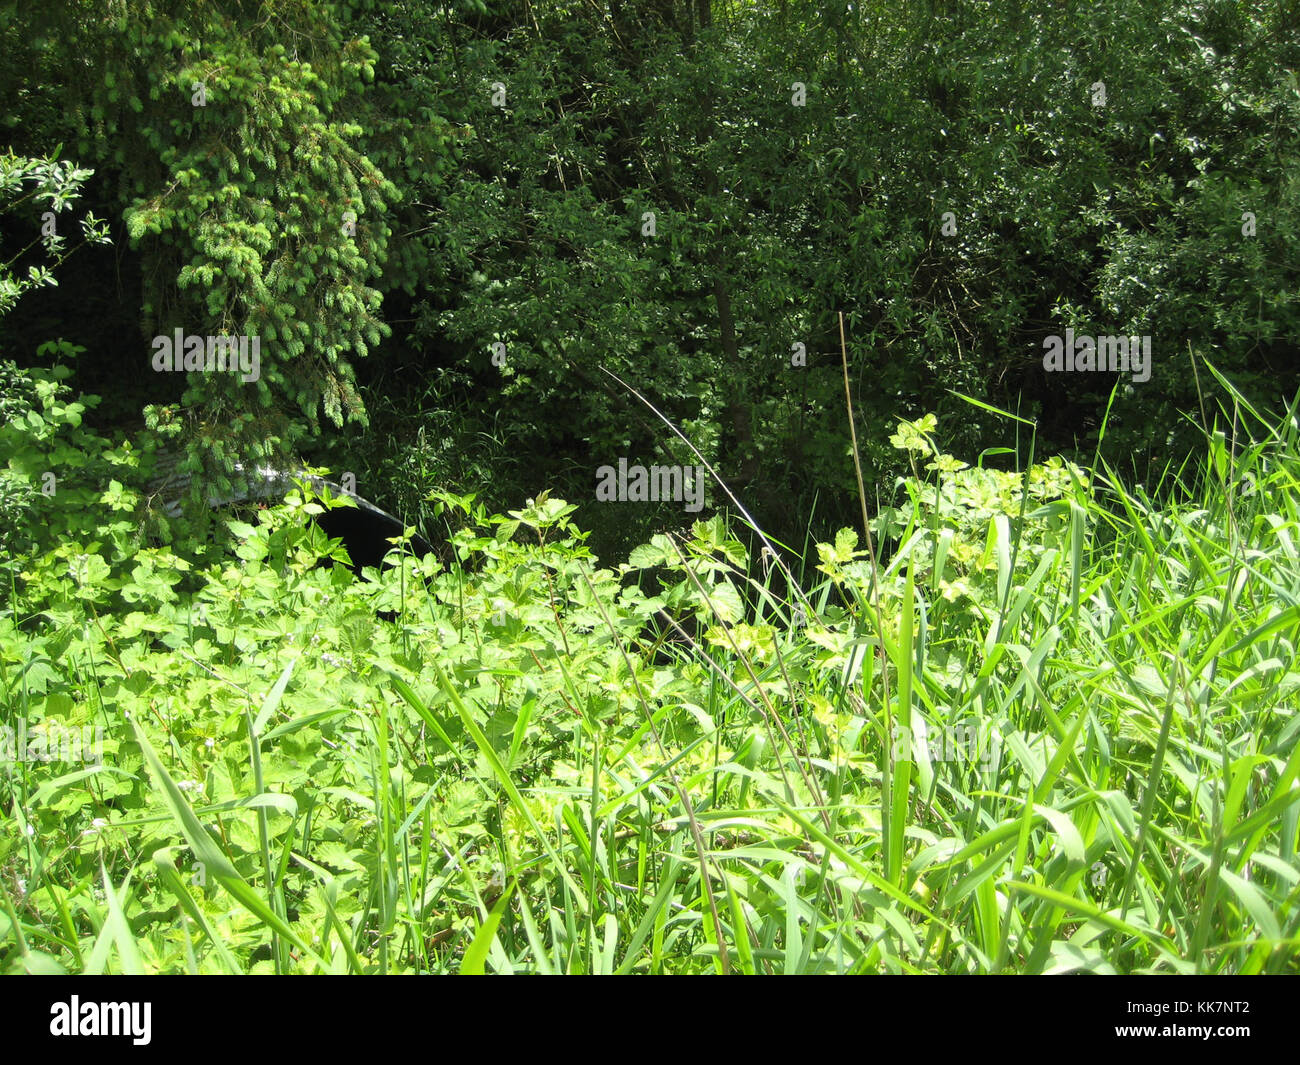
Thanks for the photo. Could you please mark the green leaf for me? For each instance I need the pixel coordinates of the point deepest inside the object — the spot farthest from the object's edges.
(476, 955)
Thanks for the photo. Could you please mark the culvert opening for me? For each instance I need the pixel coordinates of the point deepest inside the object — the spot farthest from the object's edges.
(364, 528)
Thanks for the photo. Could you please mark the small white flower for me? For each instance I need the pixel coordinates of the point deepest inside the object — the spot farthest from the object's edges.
(209, 743)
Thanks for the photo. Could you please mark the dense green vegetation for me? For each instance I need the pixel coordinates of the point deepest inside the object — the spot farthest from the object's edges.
(525, 771)
(967, 665)
(1097, 160)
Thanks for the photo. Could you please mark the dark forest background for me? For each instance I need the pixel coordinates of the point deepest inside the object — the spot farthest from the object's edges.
(1112, 167)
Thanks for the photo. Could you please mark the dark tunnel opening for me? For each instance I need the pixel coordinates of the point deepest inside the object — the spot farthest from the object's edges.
(365, 531)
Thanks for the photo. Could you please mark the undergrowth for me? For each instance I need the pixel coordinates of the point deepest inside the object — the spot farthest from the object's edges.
(1051, 729)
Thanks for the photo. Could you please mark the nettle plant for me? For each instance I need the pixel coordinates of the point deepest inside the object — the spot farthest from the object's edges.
(52, 468)
(17, 493)
(528, 583)
(732, 621)
(969, 532)
(706, 563)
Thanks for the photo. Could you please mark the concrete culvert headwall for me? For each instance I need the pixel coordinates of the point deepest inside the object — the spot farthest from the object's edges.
(365, 528)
